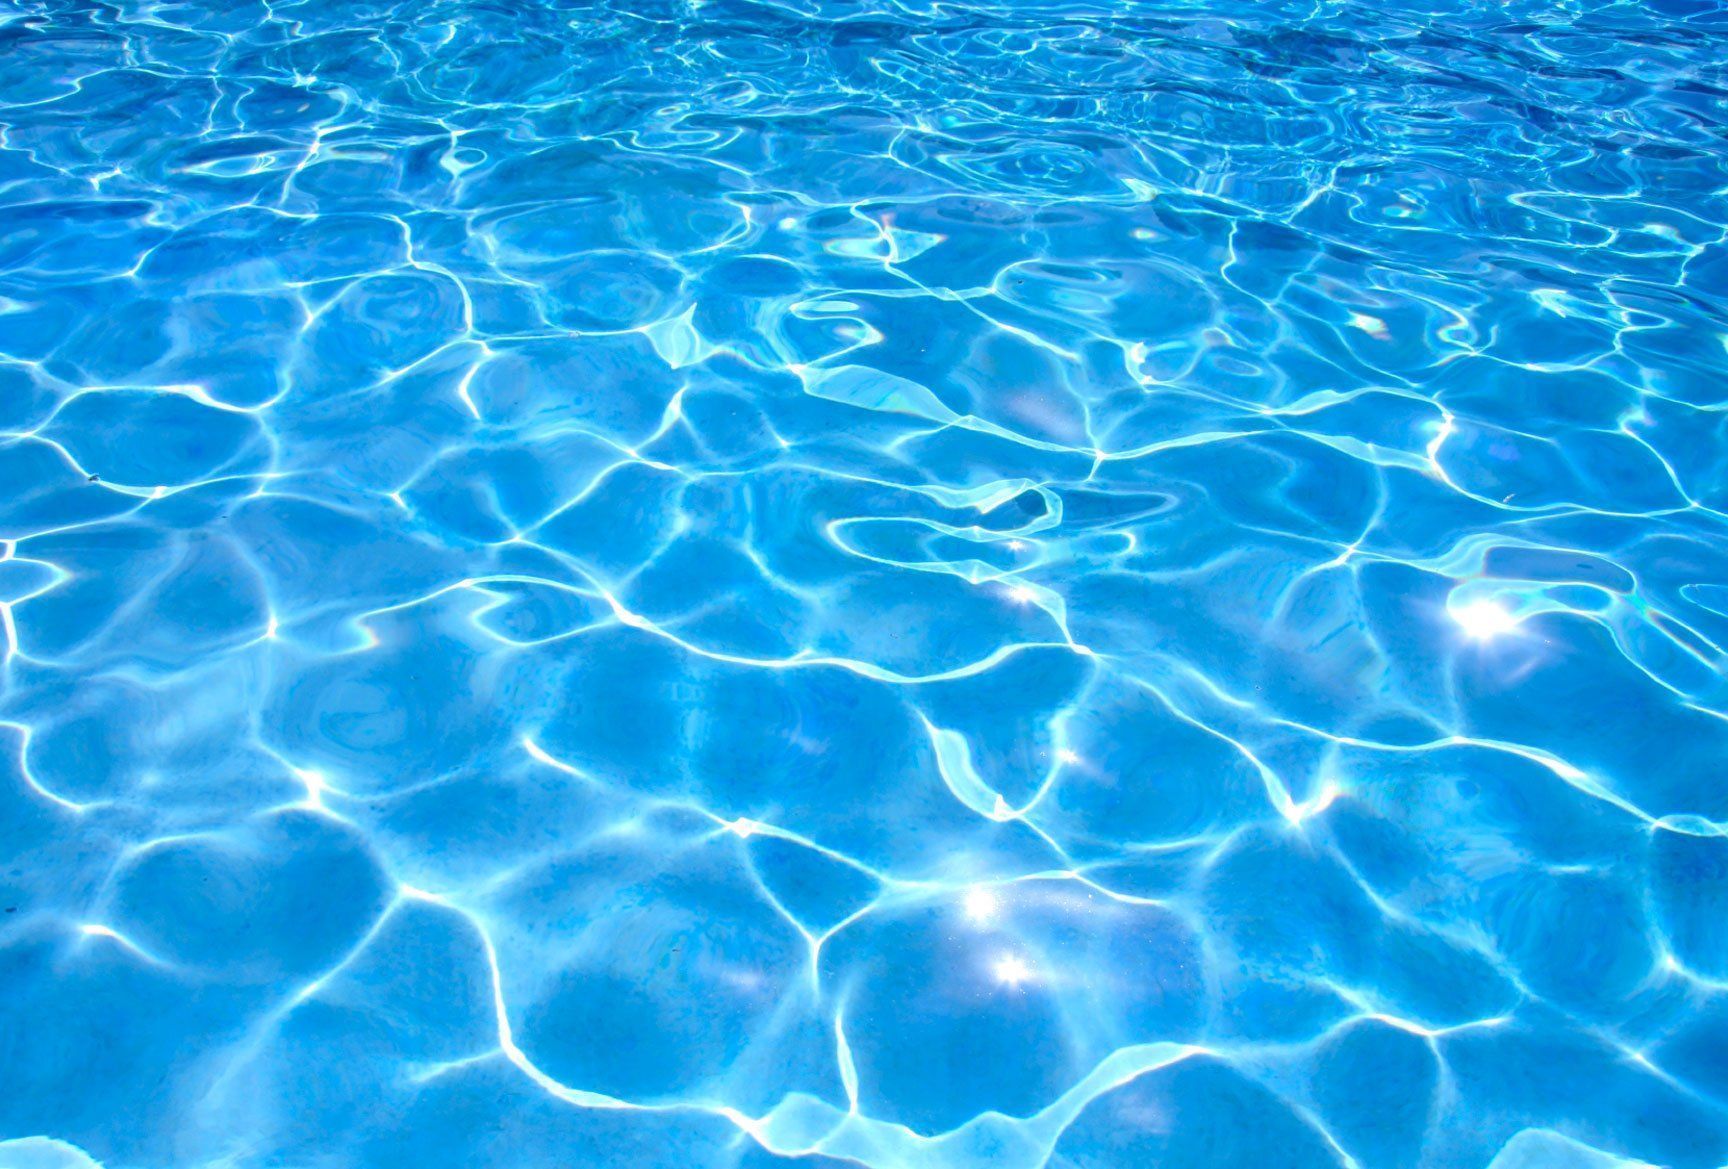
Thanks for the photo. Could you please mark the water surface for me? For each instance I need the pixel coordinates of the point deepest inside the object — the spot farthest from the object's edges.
(851, 583)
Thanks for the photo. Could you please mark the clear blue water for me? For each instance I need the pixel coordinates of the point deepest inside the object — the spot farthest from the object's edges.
(852, 583)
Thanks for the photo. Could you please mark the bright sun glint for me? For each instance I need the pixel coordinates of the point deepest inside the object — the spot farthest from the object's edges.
(981, 904)
(1484, 619)
(1011, 970)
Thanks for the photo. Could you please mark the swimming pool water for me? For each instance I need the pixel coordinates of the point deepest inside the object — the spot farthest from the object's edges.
(918, 585)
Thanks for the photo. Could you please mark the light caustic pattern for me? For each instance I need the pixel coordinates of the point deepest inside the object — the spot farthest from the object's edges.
(921, 586)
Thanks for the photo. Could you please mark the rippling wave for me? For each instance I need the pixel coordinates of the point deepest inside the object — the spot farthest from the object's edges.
(920, 585)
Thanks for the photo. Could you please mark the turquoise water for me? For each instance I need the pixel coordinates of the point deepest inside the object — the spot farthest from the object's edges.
(906, 585)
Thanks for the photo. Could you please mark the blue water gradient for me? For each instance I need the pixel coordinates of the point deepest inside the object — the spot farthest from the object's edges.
(918, 584)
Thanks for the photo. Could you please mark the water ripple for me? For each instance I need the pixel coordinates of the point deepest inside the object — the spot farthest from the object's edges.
(924, 584)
